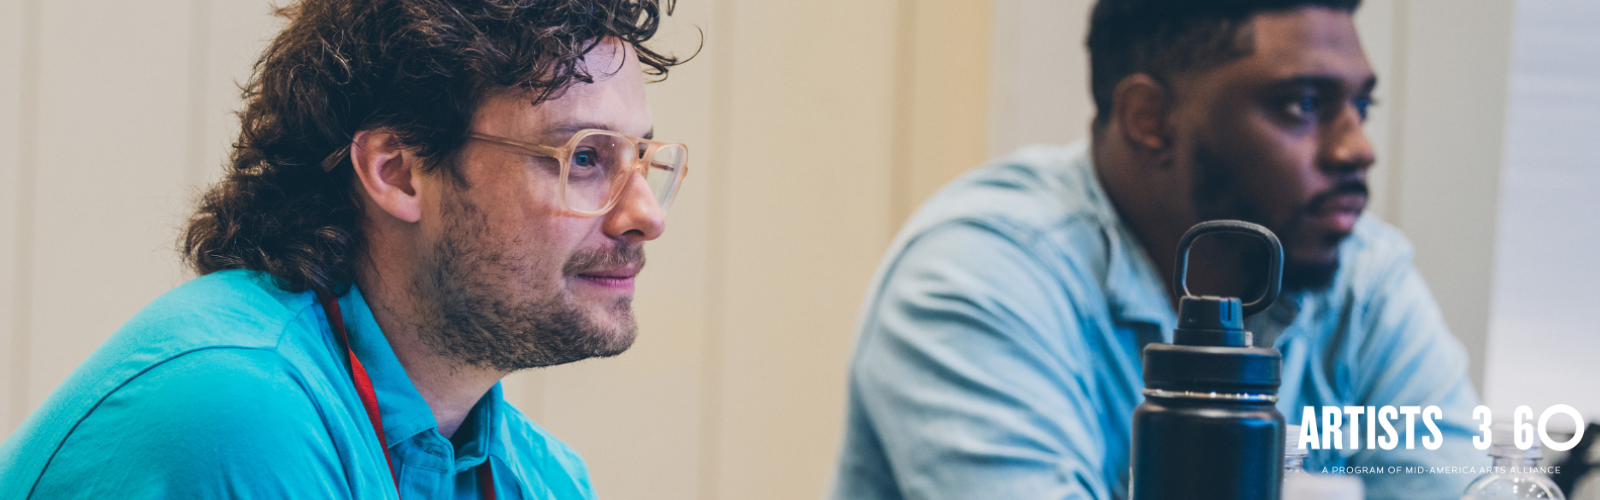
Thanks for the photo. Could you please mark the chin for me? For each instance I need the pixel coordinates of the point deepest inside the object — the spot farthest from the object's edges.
(1310, 272)
(615, 329)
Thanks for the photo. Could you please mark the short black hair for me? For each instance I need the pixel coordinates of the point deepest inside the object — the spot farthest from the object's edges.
(1167, 37)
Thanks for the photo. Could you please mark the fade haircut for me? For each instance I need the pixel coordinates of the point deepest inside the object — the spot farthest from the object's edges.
(1163, 38)
(419, 68)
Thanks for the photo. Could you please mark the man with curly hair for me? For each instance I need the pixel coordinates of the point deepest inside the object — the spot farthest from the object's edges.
(426, 196)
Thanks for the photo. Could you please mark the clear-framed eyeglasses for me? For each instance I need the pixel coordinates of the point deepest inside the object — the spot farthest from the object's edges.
(597, 166)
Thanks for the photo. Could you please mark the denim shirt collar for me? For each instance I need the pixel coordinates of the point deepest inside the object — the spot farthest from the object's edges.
(1134, 290)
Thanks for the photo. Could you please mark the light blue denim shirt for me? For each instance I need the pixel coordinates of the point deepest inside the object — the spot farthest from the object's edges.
(999, 347)
(228, 387)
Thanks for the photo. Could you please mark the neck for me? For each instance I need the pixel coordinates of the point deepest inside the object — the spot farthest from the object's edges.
(1150, 199)
(450, 388)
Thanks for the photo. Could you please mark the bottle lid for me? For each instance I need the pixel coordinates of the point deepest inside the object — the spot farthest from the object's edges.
(1212, 369)
(1211, 355)
(1291, 442)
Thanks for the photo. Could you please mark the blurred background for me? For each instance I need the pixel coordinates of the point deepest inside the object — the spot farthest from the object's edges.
(816, 127)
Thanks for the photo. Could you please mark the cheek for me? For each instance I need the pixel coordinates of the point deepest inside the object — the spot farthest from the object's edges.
(523, 222)
(1277, 166)
(527, 225)
(547, 238)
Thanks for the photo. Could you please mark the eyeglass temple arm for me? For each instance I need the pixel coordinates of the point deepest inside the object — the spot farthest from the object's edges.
(539, 149)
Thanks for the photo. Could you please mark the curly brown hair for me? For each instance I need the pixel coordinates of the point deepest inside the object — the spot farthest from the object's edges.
(418, 68)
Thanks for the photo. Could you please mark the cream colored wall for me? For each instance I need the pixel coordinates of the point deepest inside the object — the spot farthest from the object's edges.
(114, 114)
(14, 30)
(814, 129)
(1447, 141)
(1541, 341)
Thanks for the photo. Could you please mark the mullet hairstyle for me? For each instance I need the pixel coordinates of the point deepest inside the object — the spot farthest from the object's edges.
(419, 68)
(1162, 38)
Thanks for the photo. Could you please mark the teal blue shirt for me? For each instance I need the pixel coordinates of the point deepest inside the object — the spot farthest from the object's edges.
(228, 387)
(999, 347)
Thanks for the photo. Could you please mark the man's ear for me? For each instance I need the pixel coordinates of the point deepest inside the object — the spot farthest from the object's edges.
(1142, 107)
(386, 173)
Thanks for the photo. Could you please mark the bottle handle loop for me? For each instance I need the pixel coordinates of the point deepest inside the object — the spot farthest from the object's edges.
(1274, 258)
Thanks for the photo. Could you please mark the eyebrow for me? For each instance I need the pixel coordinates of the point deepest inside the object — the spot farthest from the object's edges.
(1325, 82)
(565, 130)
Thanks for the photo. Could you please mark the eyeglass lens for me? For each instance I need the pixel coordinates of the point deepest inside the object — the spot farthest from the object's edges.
(600, 166)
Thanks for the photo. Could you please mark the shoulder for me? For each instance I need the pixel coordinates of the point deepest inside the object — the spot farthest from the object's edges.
(225, 310)
(544, 461)
(251, 388)
(235, 307)
(1034, 211)
(1030, 190)
(1017, 252)
(210, 342)
(209, 421)
(1370, 261)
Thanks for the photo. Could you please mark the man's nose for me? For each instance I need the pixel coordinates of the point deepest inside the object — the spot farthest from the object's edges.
(1346, 149)
(637, 217)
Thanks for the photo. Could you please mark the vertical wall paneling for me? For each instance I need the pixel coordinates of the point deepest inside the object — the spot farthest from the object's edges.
(1391, 178)
(1457, 72)
(236, 34)
(18, 44)
(807, 219)
(942, 97)
(199, 51)
(1375, 21)
(111, 128)
(905, 77)
(1039, 81)
(1541, 339)
(722, 41)
(636, 418)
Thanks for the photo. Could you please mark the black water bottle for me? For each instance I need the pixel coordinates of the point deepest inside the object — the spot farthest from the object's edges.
(1208, 428)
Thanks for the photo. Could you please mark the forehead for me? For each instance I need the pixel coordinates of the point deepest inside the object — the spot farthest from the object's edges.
(614, 101)
(1299, 42)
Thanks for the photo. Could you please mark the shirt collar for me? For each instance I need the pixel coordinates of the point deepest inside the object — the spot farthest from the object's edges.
(405, 412)
(485, 418)
(1134, 290)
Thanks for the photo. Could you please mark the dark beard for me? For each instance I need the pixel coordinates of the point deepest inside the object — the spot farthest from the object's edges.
(473, 322)
(1217, 196)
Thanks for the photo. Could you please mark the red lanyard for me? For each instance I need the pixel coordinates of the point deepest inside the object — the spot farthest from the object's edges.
(369, 399)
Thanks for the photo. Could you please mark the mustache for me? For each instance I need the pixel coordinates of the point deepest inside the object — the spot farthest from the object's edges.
(1319, 203)
(605, 259)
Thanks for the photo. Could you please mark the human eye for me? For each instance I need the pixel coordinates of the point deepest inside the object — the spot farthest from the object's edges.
(1302, 107)
(585, 157)
(586, 163)
(1362, 104)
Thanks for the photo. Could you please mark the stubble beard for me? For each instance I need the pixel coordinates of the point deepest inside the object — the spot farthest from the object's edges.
(1217, 196)
(474, 318)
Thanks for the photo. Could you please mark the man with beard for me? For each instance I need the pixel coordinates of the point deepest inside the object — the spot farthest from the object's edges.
(999, 349)
(426, 196)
